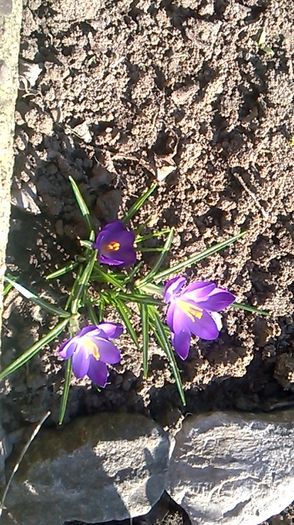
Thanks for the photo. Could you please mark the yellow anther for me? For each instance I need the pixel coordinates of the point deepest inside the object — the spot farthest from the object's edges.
(92, 348)
(190, 310)
(113, 246)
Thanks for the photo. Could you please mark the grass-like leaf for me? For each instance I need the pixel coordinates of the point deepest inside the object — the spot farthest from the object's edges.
(196, 257)
(139, 298)
(86, 244)
(7, 288)
(160, 233)
(107, 277)
(248, 308)
(163, 340)
(166, 248)
(74, 288)
(62, 271)
(125, 314)
(65, 394)
(101, 307)
(145, 336)
(152, 250)
(92, 314)
(35, 299)
(139, 203)
(83, 208)
(82, 283)
(33, 350)
(133, 272)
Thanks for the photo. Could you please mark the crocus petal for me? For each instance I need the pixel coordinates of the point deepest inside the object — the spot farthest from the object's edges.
(67, 349)
(111, 330)
(181, 321)
(199, 290)
(80, 362)
(181, 344)
(97, 372)
(126, 256)
(170, 316)
(217, 319)
(86, 330)
(125, 237)
(106, 259)
(116, 232)
(108, 233)
(173, 287)
(218, 300)
(206, 327)
(108, 352)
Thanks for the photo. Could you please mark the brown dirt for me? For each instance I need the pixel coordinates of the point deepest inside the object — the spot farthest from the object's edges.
(128, 91)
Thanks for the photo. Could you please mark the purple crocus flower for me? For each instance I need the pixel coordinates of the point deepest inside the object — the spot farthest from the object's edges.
(91, 350)
(115, 245)
(193, 310)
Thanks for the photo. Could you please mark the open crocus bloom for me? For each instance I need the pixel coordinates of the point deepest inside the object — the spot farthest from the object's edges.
(115, 245)
(91, 350)
(193, 310)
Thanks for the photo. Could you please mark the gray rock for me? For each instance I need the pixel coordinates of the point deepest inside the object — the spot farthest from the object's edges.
(233, 469)
(5, 7)
(95, 469)
(9, 51)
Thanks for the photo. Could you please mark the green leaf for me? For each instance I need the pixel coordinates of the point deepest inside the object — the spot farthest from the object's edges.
(82, 283)
(7, 288)
(152, 250)
(139, 298)
(35, 299)
(133, 272)
(151, 288)
(166, 248)
(31, 352)
(87, 244)
(145, 335)
(160, 233)
(163, 340)
(125, 314)
(65, 394)
(101, 307)
(62, 271)
(92, 314)
(196, 257)
(139, 203)
(108, 277)
(74, 288)
(83, 208)
(248, 308)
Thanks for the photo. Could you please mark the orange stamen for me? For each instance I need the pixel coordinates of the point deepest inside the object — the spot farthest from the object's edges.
(113, 246)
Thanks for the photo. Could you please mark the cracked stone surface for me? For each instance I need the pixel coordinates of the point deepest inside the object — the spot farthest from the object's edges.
(233, 469)
(95, 469)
